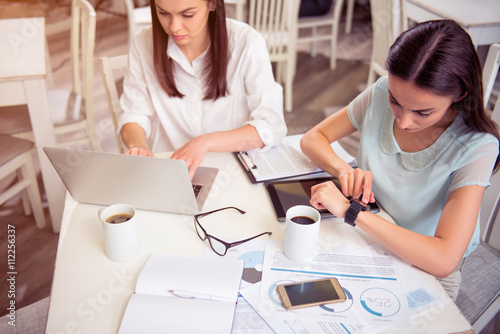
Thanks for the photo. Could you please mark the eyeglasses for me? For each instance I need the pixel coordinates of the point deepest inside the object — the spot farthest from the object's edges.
(219, 246)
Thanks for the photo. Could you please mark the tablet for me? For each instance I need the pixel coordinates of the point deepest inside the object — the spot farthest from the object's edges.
(285, 194)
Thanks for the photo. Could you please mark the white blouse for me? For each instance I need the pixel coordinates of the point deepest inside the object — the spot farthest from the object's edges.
(170, 122)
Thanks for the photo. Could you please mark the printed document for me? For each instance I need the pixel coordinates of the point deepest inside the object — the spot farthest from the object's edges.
(285, 160)
(258, 301)
(376, 297)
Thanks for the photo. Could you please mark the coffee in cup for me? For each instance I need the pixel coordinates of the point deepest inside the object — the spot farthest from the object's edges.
(303, 220)
(118, 218)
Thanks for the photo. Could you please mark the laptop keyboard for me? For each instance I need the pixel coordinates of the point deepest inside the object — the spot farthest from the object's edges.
(196, 189)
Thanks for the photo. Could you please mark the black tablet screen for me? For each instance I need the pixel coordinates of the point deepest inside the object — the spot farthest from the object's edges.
(285, 194)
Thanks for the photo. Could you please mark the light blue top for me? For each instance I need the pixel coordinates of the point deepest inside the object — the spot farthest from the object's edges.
(413, 187)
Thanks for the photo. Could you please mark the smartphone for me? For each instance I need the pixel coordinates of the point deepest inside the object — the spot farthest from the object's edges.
(311, 293)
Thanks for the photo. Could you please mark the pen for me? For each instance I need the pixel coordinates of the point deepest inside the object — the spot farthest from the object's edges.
(196, 295)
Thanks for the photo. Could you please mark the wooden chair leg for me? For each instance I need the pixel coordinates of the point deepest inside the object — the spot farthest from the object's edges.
(95, 145)
(371, 76)
(24, 196)
(314, 47)
(349, 14)
(333, 47)
(28, 173)
(290, 73)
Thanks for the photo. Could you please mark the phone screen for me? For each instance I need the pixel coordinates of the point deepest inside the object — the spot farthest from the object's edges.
(311, 292)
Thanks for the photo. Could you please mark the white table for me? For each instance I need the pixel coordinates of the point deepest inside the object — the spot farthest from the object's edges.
(90, 292)
(481, 18)
(22, 81)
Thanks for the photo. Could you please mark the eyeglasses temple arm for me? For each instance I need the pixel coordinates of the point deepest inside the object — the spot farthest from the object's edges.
(200, 215)
(236, 243)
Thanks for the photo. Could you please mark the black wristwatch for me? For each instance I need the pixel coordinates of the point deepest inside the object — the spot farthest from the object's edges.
(353, 211)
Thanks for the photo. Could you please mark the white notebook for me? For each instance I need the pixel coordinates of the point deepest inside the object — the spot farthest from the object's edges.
(154, 308)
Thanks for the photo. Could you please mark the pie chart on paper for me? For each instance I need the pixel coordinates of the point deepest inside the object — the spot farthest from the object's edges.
(380, 302)
(252, 269)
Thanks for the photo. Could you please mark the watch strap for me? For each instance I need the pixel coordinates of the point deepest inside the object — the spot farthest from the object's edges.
(352, 213)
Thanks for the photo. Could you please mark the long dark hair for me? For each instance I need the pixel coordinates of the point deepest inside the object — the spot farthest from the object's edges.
(439, 56)
(215, 67)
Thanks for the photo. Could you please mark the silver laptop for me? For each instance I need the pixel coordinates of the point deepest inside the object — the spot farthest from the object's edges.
(146, 183)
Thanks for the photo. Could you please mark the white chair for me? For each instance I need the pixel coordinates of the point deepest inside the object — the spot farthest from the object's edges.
(479, 296)
(276, 20)
(72, 110)
(138, 18)
(388, 22)
(240, 8)
(331, 19)
(15, 157)
(490, 71)
(113, 70)
(348, 16)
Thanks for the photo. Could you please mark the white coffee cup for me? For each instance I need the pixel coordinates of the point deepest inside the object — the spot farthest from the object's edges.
(121, 240)
(301, 235)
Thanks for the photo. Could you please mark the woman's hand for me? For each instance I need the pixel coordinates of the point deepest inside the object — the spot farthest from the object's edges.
(357, 182)
(241, 139)
(134, 138)
(192, 153)
(142, 151)
(327, 196)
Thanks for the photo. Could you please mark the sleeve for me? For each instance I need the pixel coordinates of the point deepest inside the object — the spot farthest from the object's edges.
(357, 108)
(136, 100)
(476, 164)
(263, 94)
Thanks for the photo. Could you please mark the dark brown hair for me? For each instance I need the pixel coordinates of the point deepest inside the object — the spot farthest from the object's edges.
(215, 67)
(439, 56)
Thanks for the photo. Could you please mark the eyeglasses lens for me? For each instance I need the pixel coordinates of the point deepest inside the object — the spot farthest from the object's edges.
(200, 232)
(217, 246)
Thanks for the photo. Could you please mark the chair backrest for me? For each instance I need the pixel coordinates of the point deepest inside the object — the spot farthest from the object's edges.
(240, 9)
(312, 23)
(137, 17)
(113, 70)
(82, 43)
(490, 205)
(388, 22)
(490, 73)
(276, 20)
(129, 6)
(491, 217)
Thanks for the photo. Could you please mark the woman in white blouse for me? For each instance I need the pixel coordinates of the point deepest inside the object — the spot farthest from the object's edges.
(198, 82)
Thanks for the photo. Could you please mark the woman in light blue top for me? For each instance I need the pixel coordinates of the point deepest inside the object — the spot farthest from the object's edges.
(426, 153)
